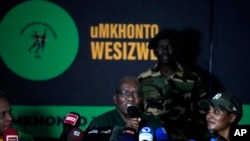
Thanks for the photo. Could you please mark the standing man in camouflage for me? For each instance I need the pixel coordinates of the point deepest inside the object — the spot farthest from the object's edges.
(171, 92)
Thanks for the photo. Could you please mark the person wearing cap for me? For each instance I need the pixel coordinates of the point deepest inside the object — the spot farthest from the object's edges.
(170, 91)
(6, 119)
(224, 113)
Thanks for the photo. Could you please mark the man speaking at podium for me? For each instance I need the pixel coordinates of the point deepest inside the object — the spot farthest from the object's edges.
(128, 112)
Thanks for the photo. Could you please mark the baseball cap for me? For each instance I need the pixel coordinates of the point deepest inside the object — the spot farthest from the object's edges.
(223, 100)
(167, 33)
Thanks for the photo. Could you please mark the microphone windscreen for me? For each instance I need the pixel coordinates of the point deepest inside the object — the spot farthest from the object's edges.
(10, 135)
(128, 134)
(75, 134)
(161, 134)
(133, 112)
(116, 133)
(146, 134)
(72, 119)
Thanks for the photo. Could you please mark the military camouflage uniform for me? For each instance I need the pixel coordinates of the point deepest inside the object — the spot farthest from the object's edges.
(174, 101)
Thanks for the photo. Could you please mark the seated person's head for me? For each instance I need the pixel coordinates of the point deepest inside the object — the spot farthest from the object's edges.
(224, 110)
(127, 94)
(5, 113)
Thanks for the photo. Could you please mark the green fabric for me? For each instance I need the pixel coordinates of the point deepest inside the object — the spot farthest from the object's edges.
(112, 118)
(24, 136)
(225, 101)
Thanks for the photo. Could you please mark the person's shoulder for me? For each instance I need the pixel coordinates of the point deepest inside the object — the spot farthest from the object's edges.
(107, 119)
(25, 136)
(104, 117)
(151, 72)
(190, 74)
(106, 114)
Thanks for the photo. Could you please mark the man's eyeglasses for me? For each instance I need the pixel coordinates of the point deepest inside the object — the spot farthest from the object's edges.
(126, 93)
(2, 114)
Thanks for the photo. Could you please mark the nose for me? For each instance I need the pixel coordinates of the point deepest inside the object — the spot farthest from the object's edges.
(209, 115)
(8, 116)
(130, 97)
(165, 49)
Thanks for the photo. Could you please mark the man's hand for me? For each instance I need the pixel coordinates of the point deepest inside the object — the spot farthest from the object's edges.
(133, 123)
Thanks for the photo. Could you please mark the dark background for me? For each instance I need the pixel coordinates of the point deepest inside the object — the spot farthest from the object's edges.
(216, 36)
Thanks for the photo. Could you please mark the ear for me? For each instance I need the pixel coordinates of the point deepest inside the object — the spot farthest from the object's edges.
(232, 117)
(115, 99)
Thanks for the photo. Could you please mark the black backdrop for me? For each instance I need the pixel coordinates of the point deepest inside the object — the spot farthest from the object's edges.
(216, 35)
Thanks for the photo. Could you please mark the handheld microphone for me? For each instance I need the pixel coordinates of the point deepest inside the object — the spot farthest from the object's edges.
(115, 133)
(129, 134)
(75, 134)
(161, 134)
(133, 112)
(146, 134)
(10, 135)
(72, 120)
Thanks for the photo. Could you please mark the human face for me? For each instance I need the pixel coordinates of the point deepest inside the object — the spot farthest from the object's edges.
(165, 52)
(218, 119)
(5, 115)
(128, 95)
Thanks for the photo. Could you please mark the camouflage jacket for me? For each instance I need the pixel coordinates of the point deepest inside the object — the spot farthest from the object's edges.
(174, 102)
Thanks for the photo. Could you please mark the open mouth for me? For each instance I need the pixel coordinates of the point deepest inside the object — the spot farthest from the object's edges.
(210, 123)
(129, 104)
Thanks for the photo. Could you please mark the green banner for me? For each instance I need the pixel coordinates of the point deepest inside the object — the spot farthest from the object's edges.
(47, 121)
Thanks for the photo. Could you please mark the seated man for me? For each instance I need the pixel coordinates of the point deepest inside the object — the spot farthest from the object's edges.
(224, 113)
(6, 119)
(127, 94)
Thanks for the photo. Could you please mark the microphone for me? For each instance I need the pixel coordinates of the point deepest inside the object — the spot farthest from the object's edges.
(146, 134)
(133, 112)
(75, 134)
(115, 133)
(10, 135)
(98, 133)
(161, 134)
(72, 120)
(128, 134)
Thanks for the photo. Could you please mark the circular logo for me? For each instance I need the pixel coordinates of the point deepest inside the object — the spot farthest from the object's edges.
(146, 130)
(38, 44)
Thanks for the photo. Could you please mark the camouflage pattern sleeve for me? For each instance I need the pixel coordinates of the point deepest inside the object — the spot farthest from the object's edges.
(153, 89)
(174, 101)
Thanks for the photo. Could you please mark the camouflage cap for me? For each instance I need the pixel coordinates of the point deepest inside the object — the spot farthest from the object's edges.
(225, 101)
(168, 33)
